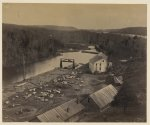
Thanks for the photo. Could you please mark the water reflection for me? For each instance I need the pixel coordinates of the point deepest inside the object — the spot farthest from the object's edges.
(47, 65)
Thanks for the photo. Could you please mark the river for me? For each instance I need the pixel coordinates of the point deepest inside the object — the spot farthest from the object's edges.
(48, 65)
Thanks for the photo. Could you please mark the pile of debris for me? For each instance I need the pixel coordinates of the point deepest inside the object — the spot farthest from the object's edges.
(45, 92)
(65, 81)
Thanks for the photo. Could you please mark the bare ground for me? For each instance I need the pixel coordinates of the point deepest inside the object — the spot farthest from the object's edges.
(71, 84)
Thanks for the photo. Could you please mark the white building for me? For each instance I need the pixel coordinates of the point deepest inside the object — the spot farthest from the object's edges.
(99, 63)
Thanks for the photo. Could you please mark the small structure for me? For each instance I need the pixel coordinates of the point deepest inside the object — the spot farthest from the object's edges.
(110, 65)
(103, 97)
(67, 60)
(123, 60)
(118, 80)
(68, 111)
(99, 63)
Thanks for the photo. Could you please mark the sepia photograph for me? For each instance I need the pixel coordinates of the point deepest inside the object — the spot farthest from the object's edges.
(68, 62)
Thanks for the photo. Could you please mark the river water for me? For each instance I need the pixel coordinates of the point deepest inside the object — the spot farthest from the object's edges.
(49, 64)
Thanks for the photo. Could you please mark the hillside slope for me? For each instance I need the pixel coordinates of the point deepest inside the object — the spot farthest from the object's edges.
(130, 30)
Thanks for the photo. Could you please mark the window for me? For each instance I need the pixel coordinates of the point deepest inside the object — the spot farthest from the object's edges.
(96, 66)
(100, 66)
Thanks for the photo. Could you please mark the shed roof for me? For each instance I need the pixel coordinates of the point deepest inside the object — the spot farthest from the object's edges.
(104, 96)
(98, 57)
(60, 114)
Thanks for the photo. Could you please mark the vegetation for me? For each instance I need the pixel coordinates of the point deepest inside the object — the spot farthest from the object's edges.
(121, 46)
(31, 43)
(132, 30)
(132, 95)
(127, 30)
(40, 42)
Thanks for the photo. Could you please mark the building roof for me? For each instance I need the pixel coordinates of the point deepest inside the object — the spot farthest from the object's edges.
(60, 113)
(98, 57)
(104, 96)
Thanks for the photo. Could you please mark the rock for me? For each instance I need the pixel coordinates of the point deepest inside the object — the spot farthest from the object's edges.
(46, 100)
(46, 85)
(13, 105)
(29, 95)
(49, 91)
(42, 99)
(78, 78)
(51, 95)
(44, 93)
(65, 82)
(55, 80)
(17, 96)
(7, 102)
(34, 93)
(13, 99)
(62, 95)
(30, 90)
(56, 91)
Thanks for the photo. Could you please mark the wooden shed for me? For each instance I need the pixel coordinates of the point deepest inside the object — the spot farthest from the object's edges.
(103, 97)
(68, 111)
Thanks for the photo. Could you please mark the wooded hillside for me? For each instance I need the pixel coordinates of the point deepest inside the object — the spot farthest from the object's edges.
(41, 42)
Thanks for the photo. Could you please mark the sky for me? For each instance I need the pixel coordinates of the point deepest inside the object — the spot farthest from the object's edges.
(83, 16)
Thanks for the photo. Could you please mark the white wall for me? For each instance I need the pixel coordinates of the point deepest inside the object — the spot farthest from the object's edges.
(100, 67)
(91, 67)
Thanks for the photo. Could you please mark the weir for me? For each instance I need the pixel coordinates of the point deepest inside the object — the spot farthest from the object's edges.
(67, 60)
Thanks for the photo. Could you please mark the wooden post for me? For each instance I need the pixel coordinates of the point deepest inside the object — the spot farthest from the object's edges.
(24, 72)
(73, 64)
(60, 63)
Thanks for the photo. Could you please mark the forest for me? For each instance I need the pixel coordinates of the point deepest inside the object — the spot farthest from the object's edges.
(35, 43)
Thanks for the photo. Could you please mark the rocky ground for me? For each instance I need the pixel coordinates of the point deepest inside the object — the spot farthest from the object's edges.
(25, 100)
(38, 94)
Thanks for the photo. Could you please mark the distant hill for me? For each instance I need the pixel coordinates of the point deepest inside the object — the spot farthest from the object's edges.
(53, 27)
(129, 30)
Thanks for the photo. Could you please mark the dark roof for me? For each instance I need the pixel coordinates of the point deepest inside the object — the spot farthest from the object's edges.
(60, 113)
(98, 57)
(104, 96)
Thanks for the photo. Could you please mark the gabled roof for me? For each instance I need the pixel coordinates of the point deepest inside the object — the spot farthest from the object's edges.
(98, 57)
(60, 113)
(104, 96)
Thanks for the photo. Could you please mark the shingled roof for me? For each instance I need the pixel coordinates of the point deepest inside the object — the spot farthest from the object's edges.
(62, 112)
(104, 96)
(98, 57)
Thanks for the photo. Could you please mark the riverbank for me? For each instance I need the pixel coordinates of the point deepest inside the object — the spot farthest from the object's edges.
(16, 74)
